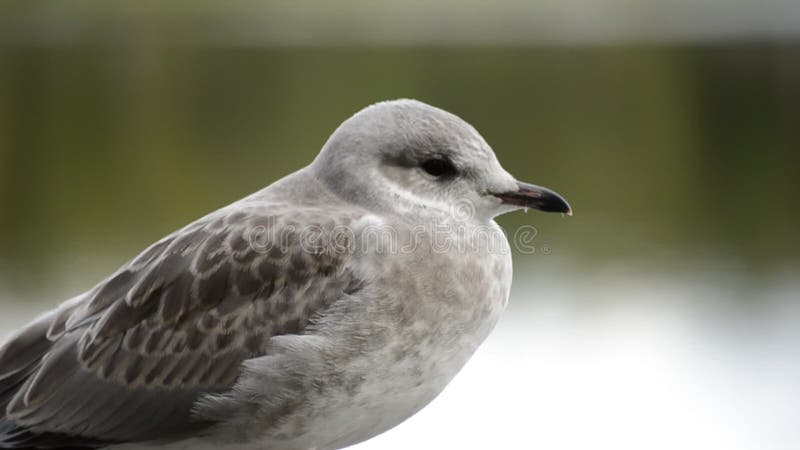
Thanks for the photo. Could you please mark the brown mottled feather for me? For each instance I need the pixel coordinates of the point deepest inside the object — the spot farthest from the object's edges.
(178, 320)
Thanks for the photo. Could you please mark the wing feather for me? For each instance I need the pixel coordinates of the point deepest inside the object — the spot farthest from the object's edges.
(128, 359)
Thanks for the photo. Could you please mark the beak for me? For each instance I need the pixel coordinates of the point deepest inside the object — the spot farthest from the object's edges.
(536, 197)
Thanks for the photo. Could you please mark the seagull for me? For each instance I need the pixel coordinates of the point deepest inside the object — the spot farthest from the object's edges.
(316, 313)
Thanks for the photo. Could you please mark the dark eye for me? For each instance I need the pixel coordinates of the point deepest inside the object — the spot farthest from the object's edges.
(439, 167)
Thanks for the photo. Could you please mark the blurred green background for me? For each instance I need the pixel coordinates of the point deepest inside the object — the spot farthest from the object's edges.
(665, 314)
(669, 154)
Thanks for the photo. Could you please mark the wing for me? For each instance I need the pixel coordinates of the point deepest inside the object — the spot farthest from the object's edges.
(127, 360)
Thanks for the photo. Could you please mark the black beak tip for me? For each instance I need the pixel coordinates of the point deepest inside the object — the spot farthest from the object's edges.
(536, 197)
(562, 208)
(555, 204)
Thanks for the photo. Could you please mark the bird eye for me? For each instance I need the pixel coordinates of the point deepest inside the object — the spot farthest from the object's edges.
(439, 167)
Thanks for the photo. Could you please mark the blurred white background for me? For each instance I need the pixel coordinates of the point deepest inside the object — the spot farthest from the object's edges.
(599, 361)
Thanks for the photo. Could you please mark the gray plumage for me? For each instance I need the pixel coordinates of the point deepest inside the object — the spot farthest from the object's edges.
(240, 331)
